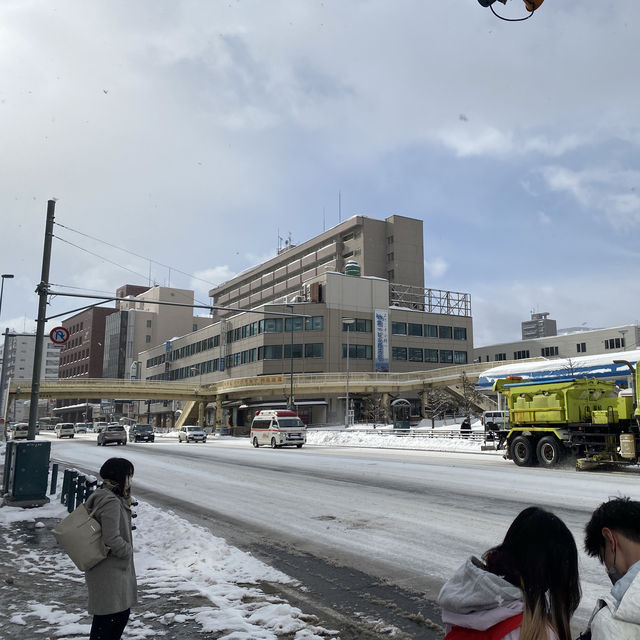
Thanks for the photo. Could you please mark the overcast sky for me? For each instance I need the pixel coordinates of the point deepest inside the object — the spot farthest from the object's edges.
(194, 133)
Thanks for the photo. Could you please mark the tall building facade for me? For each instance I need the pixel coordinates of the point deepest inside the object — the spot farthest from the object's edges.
(141, 322)
(298, 313)
(391, 249)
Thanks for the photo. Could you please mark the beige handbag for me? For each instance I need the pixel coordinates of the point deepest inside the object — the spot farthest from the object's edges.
(80, 535)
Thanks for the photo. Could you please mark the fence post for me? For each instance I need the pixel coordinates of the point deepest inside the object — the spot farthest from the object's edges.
(54, 478)
(80, 489)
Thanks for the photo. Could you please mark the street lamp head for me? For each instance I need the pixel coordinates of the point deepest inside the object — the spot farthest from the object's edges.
(7, 275)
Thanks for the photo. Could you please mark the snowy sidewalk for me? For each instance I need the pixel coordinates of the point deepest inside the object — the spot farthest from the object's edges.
(191, 584)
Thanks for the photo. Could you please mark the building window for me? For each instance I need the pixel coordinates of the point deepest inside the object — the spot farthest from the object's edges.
(147, 339)
(347, 255)
(546, 352)
(270, 325)
(314, 350)
(614, 343)
(358, 351)
(297, 351)
(270, 352)
(430, 331)
(195, 327)
(315, 323)
(581, 347)
(295, 322)
(415, 355)
(389, 240)
(459, 333)
(414, 329)
(446, 333)
(500, 356)
(148, 324)
(398, 353)
(347, 237)
(446, 355)
(399, 328)
(391, 274)
(460, 357)
(216, 340)
(390, 256)
(521, 355)
(360, 325)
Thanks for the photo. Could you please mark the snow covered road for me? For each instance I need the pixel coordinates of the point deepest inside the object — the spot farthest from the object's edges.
(408, 516)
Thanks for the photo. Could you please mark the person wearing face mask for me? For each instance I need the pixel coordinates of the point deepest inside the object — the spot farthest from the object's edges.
(112, 583)
(613, 536)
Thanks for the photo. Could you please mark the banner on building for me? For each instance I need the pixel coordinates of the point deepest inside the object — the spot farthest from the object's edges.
(381, 340)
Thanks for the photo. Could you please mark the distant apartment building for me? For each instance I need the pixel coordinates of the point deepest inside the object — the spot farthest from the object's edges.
(565, 345)
(83, 353)
(141, 322)
(20, 354)
(539, 326)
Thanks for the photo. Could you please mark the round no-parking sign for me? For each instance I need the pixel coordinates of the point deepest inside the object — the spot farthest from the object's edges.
(59, 335)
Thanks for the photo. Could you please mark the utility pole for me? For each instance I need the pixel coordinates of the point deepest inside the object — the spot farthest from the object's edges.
(43, 292)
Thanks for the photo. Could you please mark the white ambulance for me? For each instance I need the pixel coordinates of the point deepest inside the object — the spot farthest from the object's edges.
(278, 428)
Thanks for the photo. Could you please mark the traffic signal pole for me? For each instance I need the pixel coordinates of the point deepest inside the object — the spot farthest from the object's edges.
(43, 292)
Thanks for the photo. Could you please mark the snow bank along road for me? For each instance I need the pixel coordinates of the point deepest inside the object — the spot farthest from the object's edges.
(406, 517)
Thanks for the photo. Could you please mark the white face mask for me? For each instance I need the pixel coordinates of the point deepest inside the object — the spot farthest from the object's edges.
(127, 483)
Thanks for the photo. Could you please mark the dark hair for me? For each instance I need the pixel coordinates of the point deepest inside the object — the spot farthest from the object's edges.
(539, 556)
(117, 470)
(618, 514)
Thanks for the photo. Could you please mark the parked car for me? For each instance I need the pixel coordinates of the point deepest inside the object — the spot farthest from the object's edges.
(112, 433)
(191, 434)
(81, 427)
(65, 430)
(19, 431)
(141, 433)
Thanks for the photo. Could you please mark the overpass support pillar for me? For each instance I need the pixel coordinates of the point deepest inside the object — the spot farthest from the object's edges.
(201, 406)
(219, 424)
(386, 408)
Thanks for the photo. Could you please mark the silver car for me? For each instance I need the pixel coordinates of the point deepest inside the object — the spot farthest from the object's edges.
(191, 434)
(112, 434)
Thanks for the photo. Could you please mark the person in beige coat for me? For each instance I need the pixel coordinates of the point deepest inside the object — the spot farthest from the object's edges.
(112, 583)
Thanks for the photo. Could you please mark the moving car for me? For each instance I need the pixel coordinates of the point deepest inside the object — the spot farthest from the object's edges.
(19, 431)
(141, 433)
(81, 427)
(65, 430)
(112, 433)
(99, 426)
(191, 434)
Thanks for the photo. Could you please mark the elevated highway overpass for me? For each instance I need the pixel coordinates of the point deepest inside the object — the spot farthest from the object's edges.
(197, 396)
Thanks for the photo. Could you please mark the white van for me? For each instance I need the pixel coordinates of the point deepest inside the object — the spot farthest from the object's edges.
(495, 420)
(278, 429)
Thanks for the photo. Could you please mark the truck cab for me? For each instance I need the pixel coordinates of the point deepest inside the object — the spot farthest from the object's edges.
(278, 428)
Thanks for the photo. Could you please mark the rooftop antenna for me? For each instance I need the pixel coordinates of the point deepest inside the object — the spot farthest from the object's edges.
(339, 206)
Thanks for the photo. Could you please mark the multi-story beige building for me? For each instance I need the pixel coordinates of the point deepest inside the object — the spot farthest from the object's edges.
(391, 249)
(303, 321)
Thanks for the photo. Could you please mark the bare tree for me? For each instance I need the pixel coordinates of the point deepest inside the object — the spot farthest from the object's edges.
(436, 402)
(373, 409)
(470, 397)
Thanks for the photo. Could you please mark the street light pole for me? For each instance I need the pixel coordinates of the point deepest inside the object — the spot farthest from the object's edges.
(348, 322)
(292, 406)
(7, 276)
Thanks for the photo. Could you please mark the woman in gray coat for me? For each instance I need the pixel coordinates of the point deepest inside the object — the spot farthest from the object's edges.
(112, 582)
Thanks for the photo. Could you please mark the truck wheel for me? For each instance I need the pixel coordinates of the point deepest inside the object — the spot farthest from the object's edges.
(273, 443)
(255, 442)
(522, 451)
(549, 451)
(299, 446)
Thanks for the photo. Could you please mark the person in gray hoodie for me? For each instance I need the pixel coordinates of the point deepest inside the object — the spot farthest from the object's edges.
(613, 535)
(112, 583)
(526, 588)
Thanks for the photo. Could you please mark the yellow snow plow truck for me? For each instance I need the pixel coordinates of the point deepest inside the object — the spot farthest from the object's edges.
(590, 419)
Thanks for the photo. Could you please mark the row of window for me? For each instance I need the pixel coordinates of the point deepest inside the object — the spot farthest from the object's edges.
(428, 331)
(72, 357)
(614, 343)
(76, 327)
(75, 371)
(429, 355)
